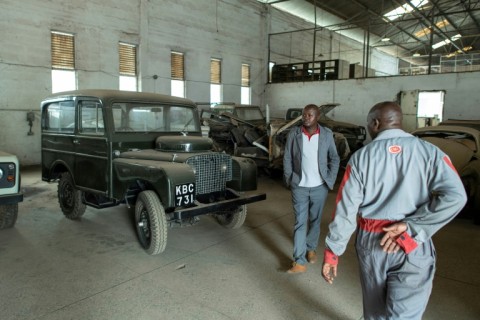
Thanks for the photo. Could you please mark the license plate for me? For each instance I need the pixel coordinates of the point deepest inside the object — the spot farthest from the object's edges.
(185, 194)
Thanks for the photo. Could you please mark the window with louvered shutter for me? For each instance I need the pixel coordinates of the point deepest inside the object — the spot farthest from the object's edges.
(245, 75)
(63, 51)
(177, 66)
(215, 71)
(127, 59)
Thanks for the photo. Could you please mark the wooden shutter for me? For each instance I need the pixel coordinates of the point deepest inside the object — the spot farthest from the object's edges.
(177, 67)
(245, 75)
(216, 71)
(127, 59)
(63, 51)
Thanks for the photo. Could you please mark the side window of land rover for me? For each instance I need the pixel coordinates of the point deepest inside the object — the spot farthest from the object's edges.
(91, 118)
(59, 117)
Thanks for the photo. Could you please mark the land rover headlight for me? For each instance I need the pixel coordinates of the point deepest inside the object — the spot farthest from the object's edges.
(1, 173)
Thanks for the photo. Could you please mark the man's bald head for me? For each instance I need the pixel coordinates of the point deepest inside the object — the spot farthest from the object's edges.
(383, 116)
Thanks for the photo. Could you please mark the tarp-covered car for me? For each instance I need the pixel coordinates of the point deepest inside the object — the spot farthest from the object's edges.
(462, 145)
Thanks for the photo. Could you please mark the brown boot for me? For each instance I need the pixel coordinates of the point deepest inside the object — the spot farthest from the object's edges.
(312, 256)
(297, 268)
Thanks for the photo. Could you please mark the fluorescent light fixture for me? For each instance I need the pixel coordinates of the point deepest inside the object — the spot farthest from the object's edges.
(385, 39)
(446, 41)
(416, 54)
(406, 8)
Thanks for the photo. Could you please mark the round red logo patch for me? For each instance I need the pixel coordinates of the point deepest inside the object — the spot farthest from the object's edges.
(395, 149)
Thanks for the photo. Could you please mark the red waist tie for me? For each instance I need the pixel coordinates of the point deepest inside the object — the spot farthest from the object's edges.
(373, 225)
(405, 241)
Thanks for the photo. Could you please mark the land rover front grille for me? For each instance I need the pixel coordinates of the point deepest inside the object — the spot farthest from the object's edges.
(212, 171)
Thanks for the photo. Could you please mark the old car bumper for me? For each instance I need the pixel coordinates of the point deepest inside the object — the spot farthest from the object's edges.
(11, 198)
(233, 201)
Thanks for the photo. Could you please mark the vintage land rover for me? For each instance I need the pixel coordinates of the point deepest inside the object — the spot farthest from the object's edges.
(10, 194)
(108, 147)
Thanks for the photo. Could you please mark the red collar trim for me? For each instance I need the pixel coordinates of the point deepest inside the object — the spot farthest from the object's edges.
(305, 132)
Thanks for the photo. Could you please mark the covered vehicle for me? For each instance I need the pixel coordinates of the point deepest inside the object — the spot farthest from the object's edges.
(475, 124)
(462, 145)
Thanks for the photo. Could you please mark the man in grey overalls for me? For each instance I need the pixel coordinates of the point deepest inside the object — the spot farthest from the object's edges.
(397, 192)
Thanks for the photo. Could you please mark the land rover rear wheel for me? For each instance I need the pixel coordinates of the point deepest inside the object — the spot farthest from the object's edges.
(151, 222)
(70, 198)
(233, 220)
(8, 215)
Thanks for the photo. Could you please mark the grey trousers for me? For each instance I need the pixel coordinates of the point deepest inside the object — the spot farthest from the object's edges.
(395, 285)
(308, 205)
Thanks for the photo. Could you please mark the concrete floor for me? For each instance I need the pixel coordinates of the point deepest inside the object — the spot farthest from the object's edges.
(55, 268)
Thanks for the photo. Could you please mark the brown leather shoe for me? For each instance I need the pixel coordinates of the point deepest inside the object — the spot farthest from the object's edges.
(312, 256)
(297, 268)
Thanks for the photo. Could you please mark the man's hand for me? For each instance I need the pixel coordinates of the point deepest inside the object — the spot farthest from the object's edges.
(389, 240)
(329, 272)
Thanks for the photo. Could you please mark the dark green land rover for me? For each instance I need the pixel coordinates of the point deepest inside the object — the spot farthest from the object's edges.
(108, 147)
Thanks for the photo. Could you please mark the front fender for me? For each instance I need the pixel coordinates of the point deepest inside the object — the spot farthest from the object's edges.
(244, 174)
(162, 176)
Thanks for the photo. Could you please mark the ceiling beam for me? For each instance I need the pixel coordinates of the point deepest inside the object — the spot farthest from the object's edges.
(470, 14)
(378, 15)
(431, 24)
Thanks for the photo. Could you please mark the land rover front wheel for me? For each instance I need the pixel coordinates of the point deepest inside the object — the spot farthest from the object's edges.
(233, 220)
(70, 198)
(150, 222)
(8, 215)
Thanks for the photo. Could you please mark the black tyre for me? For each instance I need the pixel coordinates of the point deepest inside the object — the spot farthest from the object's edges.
(8, 215)
(151, 222)
(70, 198)
(233, 220)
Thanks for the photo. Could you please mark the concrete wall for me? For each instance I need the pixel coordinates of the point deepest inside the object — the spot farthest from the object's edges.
(356, 97)
(232, 30)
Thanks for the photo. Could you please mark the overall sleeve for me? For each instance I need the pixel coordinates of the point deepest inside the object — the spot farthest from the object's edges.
(349, 198)
(446, 200)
